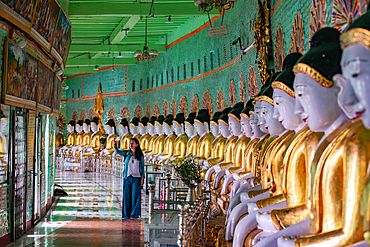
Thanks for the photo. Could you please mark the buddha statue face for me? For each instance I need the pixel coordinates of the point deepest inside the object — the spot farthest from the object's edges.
(316, 104)
(78, 128)
(224, 129)
(178, 129)
(234, 127)
(258, 117)
(246, 127)
(284, 110)
(158, 129)
(189, 129)
(133, 129)
(167, 129)
(94, 127)
(356, 69)
(109, 130)
(69, 128)
(4, 123)
(86, 128)
(271, 124)
(201, 129)
(214, 129)
(142, 129)
(150, 129)
(347, 99)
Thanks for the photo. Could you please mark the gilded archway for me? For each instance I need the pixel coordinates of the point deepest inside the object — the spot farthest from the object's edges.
(148, 111)
(75, 116)
(83, 115)
(221, 104)
(183, 106)
(318, 17)
(173, 107)
(279, 49)
(165, 108)
(252, 83)
(156, 110)
(91, 114)
(195, 104)
(297, 37)
(232, 94)
(138, 112)
(207, 102)
(112, 115)
(242, 96)
(125, 113)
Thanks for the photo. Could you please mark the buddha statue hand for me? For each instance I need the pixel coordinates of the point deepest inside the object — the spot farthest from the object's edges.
(229, 179)
(233, 220)
(236, 198)
(209, 173)
(265, 222)
(243, 228)
(286, 241)
(218, 178)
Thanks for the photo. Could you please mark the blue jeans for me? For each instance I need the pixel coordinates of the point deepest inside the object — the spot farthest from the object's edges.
(131, 201)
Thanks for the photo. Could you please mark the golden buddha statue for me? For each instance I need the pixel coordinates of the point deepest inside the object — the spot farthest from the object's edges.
(152, 134)
(181, 140)
(59, 140)
(134, 130)
(125, 135)
(95, 138)
(191, 146)
(145, 137)
(80, 133)
(205, 141)
(159, 141)
(86, 140)
(71, 138)
(111, 132)
(169, 142)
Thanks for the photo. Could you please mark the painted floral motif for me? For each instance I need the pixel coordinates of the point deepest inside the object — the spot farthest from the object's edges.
(75, 116)
(279, 49)
(156, 110)
(138, 112)
(125, 113)
(165, 108)
(195, 104)
(344, 12)
(173, 107)
(242, 96)
(252, 83)
(148, 111)
(83, 115)
(232, 94)
(91, 114)
(221, 104)
(112, 115)
(207, 102)
(297, 37)
(318, 17)
(183, 106)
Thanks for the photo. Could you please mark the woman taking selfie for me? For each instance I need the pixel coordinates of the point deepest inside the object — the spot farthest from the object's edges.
(133, 179)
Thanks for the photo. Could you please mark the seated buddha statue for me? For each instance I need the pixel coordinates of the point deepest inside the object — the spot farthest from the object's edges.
(159, 141)
(143, 131)
(79, 137)
(181, 139)
(169, 142)
(59, 139)
(86, 139)
(201, 126)
(71, 138)
(134, 130)
(95, 144)
(110, 129)
(3, 145)
(153, 136)
(124, 143)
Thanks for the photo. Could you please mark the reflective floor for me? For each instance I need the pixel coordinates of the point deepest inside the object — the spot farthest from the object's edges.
(89, 216)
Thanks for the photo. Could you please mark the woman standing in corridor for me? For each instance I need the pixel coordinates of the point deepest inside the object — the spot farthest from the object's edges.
(133, 179)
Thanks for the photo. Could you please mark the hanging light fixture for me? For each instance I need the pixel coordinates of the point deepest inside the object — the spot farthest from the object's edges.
(208, 5)
(145, 54)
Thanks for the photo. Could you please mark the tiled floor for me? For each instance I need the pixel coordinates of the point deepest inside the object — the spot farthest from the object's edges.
(89, 216)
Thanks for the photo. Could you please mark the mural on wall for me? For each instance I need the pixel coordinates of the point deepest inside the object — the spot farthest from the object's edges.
(195, 104)
(242, 96)
(138, 112)
(125, 113)
(24, 8)
(221, 104)
(207, 102)
(232, 94)
(148, 111)
(156, 111)
(344, 12)
(318, 17)
(173, 107)
(83, 115)
(279, 49)
(45, 88)
(183, 106)
(75, 116)
(62, 35)
(112, 115)
(252, 83)
(297, 36)
(165, 108)
(91, 114)
(20, 76)
(57, 92)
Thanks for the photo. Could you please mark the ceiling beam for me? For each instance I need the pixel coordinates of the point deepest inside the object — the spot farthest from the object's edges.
(140, 9)
(113, 48)
(118, 33)
(80, 70)
(102, 61)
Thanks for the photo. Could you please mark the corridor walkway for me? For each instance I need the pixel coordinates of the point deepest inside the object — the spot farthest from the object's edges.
(89, 216)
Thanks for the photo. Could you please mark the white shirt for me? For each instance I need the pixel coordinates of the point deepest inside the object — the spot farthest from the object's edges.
(133, 168)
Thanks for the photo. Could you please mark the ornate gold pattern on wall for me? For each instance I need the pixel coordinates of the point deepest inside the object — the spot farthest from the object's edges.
(91, 114)
(318, 17)
(195, 104)
(279, 49)
(156, 111)
(75, 116)
(173, 107)
(297, 37)
(207, 102)
(148, 111)
(165, 108)
(242, 96)
(252, 83)
(183, 106)
(112, 115)
(125, 113)
(99, 108)
(61, 121)
(232, 94)
(344, 12)
(221, 104)
(83, 115)
(138, 112)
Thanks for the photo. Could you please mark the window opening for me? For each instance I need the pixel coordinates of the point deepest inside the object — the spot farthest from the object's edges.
(178, 73)
(192, 69)
(184, 71)
(205, 64)
(211, 58)
(141, 84)
(171, 74)
(78, 93)
(199, 66)
(133, 86)
(73, 94)
(147, 82)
